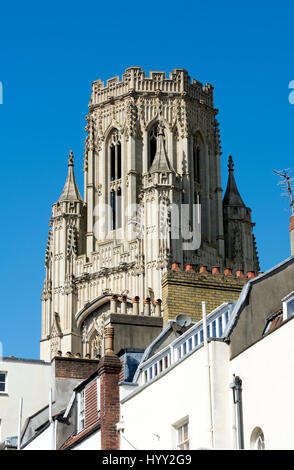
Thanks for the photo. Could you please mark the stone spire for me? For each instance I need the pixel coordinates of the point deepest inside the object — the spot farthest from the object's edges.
(70, 191)
(232, 195)
(161, 161)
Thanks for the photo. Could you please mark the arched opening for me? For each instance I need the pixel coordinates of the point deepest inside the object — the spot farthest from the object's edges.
(152, 141)
(257, 439)
(115, 172)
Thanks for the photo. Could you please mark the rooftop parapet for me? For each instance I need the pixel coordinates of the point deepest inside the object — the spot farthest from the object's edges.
(134, 80)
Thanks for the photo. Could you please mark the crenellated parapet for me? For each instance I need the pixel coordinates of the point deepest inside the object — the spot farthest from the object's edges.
(134, 80)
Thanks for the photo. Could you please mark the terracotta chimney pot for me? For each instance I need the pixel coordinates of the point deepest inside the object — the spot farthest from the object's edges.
(203, 270)
(250, 274)
(157, 304)
(176, 266)
(240, 273)
(190, 268)
(216, 270)
(228, 272)
(135, 301)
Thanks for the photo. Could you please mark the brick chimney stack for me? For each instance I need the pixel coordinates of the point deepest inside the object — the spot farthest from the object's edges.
(109, 371)
(291, 230)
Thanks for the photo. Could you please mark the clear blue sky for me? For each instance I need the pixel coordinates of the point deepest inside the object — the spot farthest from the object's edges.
(49, 55)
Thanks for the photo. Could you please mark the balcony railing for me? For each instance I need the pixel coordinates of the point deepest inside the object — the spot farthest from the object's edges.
(191, 340)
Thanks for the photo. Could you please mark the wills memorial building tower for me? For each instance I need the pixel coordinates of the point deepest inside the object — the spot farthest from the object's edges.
(152, 143)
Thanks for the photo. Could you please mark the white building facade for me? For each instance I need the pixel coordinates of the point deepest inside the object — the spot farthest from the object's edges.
(26, 379)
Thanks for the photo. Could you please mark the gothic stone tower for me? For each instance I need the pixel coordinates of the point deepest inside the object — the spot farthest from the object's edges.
(152, 142)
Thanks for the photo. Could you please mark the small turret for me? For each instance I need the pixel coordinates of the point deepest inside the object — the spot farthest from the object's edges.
(70, 191)
(240, 247)
(232, 196)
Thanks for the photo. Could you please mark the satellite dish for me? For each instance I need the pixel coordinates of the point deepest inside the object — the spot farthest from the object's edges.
(183, 320)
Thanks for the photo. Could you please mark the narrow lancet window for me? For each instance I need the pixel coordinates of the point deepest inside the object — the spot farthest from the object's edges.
(115, 174)
(152, 144)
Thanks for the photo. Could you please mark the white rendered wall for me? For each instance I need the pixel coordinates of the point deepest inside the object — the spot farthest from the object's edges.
(150, 414)
(29, 380)
(93, 442)
(42, 442)
(266, 370)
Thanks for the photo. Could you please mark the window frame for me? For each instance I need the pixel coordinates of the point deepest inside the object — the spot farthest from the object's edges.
(286, 301)
(5, 391)
(180, 443)
(81, 415)
(114, 152)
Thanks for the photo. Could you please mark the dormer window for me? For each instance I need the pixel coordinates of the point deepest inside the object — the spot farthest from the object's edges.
(288, 306)
(81, 411)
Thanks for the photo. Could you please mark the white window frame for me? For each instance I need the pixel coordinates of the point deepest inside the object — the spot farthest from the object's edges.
(5, 382)
(98, 396)
(286, 301)
(81, 411)
(178, 426)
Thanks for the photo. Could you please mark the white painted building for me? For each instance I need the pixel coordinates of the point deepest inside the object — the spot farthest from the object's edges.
(26, 378)
(182, 397)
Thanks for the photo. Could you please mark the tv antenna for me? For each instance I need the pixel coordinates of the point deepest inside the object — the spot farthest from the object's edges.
(286, 184)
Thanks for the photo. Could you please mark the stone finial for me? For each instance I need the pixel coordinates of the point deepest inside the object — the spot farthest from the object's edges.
(71, 158)
(109, 337)
(231, 163)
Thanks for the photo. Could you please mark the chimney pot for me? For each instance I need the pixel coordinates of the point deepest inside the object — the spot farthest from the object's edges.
(203, 270)
(216, 270)
(190, 268)
(240, 273)
(157, 304)
(123, 306)
(176, 266)
(228, 272)
(135, 301)
(109, 335)
(250, 274)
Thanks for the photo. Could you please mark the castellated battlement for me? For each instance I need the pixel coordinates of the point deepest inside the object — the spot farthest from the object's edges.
(134, 80)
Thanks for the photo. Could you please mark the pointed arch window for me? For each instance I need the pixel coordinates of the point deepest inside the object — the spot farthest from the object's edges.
(115, 156)
(196, 160)
(115, 173)
(152, 143)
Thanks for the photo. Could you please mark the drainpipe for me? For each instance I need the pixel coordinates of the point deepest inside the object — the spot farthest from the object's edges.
(19, 423)
(236, 386)
(207, 365)
(51, 421)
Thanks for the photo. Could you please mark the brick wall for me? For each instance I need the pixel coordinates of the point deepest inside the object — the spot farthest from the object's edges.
(74, 368)
(183, 292)
(109, 371)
